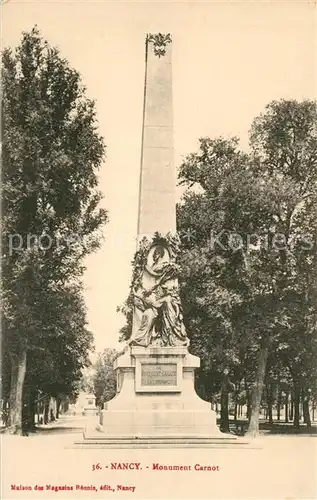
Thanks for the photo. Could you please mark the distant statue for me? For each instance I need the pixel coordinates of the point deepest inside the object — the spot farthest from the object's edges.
(157, 305)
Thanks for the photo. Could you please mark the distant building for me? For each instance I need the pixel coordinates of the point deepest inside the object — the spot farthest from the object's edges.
(86, 404)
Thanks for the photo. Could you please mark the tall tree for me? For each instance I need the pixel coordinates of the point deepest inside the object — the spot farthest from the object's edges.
(55, 364)
(284, 146)
(228, 289)
(249, 229)
(51, 216)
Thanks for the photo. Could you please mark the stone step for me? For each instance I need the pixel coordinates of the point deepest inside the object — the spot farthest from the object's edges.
(97, 435)
(143, 445)
(165, 442)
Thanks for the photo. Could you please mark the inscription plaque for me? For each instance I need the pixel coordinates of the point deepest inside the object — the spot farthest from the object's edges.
(155, 374)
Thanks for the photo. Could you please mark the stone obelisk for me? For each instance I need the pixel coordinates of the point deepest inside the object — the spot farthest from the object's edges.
(156, 404)
(157, 179)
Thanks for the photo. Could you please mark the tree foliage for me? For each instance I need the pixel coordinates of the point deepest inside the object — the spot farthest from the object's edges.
(250, 219)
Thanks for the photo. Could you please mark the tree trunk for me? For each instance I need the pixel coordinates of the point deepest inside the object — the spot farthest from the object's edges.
(5, 412)
(58, 406)
(286, 407)
(46, 410)
(52, 408)
(224, 412)
(248, 405)
(270, 404)
(296, 406)
(37, 412)
(40, 410)
(291, 409)
(235, 411)
(30, 402)
(236, 403)
(306, 409)
(253, 429)
(18, 369)
(278, 405)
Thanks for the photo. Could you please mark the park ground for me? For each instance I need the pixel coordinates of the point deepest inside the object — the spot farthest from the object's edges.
(281, 466)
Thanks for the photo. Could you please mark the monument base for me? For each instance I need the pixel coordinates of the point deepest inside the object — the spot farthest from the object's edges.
(156, 404)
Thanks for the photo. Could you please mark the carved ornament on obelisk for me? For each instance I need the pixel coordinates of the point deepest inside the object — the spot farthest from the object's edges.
(157, 317)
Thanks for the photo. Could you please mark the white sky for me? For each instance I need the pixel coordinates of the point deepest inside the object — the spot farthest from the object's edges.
(229, 60)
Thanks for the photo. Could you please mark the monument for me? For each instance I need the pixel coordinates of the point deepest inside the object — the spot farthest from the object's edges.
(156, 403)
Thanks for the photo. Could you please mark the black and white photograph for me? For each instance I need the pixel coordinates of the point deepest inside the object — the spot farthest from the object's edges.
(158, 250)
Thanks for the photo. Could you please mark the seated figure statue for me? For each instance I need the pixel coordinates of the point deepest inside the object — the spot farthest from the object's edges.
(159, 307)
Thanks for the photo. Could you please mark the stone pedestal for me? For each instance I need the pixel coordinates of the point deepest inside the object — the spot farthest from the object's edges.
(156, 405)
